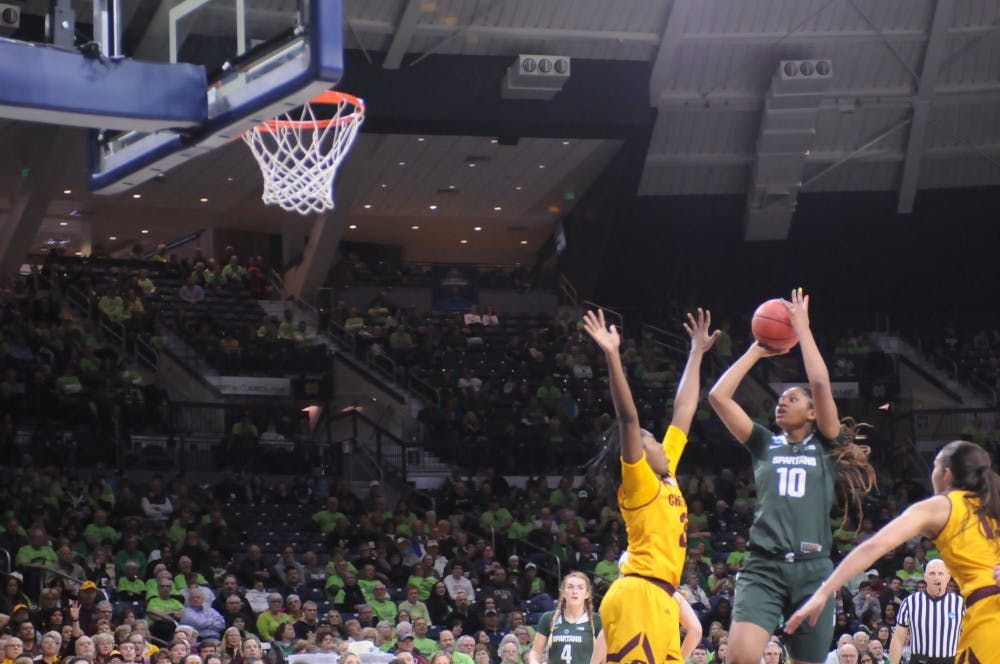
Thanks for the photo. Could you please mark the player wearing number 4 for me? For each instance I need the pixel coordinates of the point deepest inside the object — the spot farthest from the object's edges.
(567, 635)
(640, 612)
(795, 473)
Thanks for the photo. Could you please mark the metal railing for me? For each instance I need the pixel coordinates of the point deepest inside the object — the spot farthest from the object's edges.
(88, 308)
(146, 354)
(616, 317)
(421, 387)
(568, 290)
(669, 340)
(982, 386)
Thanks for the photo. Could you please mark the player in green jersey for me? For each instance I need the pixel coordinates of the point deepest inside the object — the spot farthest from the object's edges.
(795, 473)
(566, 635)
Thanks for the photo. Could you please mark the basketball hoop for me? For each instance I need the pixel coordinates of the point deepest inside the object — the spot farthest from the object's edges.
(299, 157)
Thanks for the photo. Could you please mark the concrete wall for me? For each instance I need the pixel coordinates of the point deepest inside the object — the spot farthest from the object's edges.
(350, 387)
(920, 392)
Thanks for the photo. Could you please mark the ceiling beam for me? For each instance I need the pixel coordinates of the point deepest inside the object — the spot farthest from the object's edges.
(944, 11)
(968, 93)
(511, 33)
(669, 43)
(808, 37)
(888, 156)
(403, 36)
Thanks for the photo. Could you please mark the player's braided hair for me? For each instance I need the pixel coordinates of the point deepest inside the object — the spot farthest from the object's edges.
(854, 469)
(561, 605)
(606, 465)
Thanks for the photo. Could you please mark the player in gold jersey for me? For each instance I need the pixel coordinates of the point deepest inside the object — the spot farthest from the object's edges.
(639, 612)
(963, 518)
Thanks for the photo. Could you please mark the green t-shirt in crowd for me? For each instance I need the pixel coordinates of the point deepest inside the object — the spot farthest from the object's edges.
(384, 610)
(29, 555)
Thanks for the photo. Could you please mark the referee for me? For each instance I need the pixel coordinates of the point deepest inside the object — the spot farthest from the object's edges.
(929, 620)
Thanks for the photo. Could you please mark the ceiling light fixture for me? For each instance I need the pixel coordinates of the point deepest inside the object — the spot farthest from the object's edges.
(524, 242)
(203, 199)
(497, 208)
(112, 237)
(494, 141)
(541, 165)
(420, 140)
(464, 241)
(384, 185)
(368, 206)
(67, 191)
(64, 223)
(451, 186)
(145, 231)
(402, 163)
(415, 228)
(471, 164)
(137, 196)
(565, 142)
(353, 227)
(519, 187)
(478, 228)
(432, 207)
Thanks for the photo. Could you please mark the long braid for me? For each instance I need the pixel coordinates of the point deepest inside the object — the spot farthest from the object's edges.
(560, 607)
(854, 468)
(590, 614)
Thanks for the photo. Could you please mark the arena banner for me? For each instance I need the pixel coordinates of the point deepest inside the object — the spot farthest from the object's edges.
(454, 287)
(841, 389)
(254, 386)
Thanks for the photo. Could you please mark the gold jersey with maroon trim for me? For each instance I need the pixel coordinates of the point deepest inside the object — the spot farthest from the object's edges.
(655, 514)
(969, 545)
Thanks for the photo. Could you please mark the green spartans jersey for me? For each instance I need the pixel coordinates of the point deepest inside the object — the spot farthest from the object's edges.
(571, 643)
(795, 491)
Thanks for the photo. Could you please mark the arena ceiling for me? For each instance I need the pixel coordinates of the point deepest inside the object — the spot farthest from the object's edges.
(914, 104)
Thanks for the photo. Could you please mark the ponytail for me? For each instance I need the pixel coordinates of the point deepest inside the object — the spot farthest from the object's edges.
(972, 472)
(854, 469)
(607, 466)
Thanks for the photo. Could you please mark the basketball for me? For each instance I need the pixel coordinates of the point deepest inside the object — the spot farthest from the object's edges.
(772, 326)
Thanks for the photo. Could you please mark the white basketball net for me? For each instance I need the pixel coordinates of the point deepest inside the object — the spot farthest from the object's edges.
(299, 156)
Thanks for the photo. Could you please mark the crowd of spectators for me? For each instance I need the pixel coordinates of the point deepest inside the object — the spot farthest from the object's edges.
(224, 567)
(69, 393)
(211, 304)
(355, 270)
(970, 349)
(518, 389)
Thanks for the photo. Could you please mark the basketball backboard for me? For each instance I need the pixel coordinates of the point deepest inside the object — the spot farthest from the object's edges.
(261, 57)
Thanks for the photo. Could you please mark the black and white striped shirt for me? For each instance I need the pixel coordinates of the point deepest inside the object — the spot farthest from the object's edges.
(934, 623)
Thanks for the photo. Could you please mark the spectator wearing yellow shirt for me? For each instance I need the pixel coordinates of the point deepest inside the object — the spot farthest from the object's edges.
(268, 621)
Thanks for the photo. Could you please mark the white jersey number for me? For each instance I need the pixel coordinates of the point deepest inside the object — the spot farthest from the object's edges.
(792, 482)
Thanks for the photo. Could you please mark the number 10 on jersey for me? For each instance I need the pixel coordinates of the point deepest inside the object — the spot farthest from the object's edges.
(791, 482)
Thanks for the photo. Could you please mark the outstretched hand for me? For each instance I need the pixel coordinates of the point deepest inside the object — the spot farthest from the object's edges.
(811, 610)
(798, 310)
(606, 337)
(701, 338)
